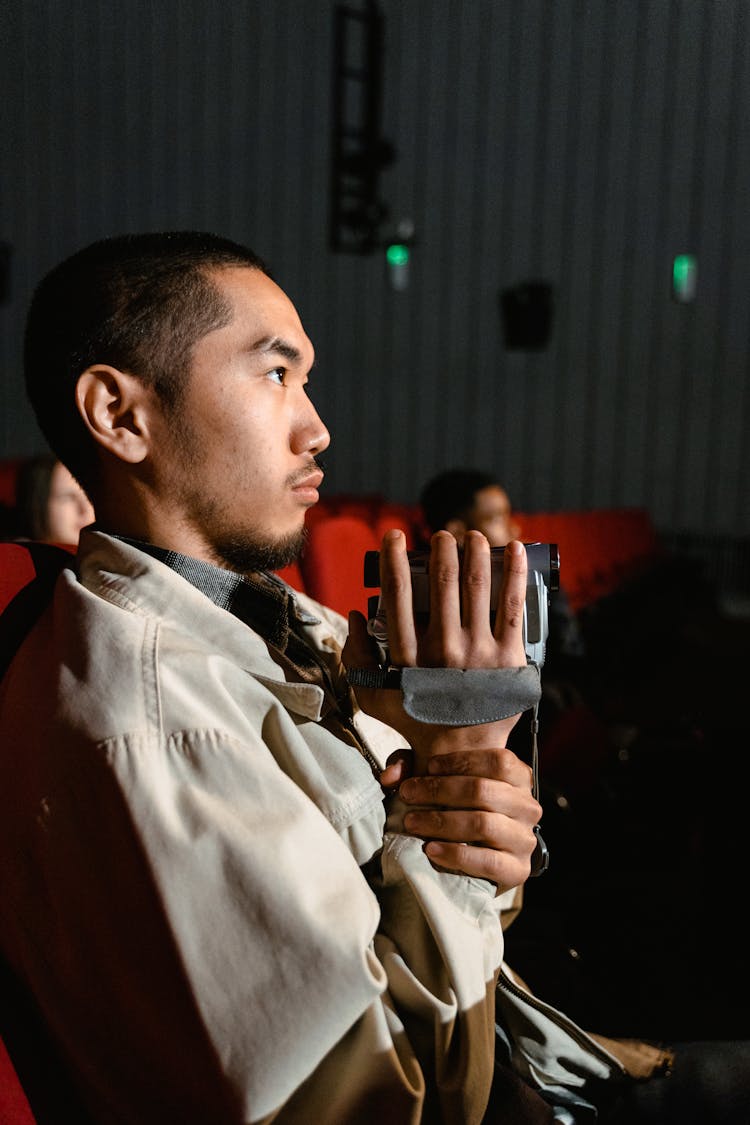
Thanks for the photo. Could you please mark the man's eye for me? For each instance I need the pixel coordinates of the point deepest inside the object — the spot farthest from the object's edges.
(278, 374)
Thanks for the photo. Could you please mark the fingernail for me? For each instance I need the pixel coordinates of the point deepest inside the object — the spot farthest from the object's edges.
(514, 548)
(407, 790)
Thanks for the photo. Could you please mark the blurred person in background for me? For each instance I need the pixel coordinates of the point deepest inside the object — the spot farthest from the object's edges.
(461, 500)
(51, 506)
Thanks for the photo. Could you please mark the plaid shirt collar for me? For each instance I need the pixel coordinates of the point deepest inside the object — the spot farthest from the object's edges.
(261, 600)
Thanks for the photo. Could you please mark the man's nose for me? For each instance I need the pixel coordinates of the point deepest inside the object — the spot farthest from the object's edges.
(312, 435)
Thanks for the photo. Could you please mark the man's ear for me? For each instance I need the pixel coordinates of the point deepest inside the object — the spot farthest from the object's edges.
(115, 408)
(457, 529)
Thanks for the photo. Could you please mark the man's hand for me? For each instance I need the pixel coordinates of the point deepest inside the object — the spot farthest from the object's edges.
(458, 634)
(475, 810)
(470, 796)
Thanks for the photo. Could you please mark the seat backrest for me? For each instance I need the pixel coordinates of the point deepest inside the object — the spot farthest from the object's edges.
(28, 572)
(333, 562)
(14, 1105)
(30, 1072)
(21, 561)
(403, 516)
(9, 470)
(35, 1085)
(18, 570)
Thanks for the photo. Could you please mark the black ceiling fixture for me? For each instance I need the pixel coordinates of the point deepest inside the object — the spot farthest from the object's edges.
(359, 151)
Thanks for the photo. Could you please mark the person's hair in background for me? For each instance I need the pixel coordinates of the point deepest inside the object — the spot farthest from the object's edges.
(51, 506)
(461, 500)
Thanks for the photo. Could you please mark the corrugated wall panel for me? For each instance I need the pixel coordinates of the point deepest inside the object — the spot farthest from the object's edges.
(580, 141)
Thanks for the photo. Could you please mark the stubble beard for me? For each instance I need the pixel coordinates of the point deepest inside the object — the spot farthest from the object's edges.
(241, 550)
(246, 553)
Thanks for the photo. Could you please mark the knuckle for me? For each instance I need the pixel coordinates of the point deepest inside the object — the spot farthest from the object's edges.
(445, 577)
(396, 583)
(506, 760)
(482, 790)
(431, 788)
(480, 824)
(452, 654)
(477, 579)
(514, 604)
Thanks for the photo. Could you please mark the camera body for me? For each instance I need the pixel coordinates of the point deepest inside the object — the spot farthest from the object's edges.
(543, 576)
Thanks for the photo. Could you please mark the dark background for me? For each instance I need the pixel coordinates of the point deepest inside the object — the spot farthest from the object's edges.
(581, 143)
(578, 143)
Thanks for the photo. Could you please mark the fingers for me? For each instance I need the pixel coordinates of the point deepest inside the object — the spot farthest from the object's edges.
(481, 793)
(495, 845)
(458, 633)
(443, 637)
(476, 582)
(511, 601)
(496, 763)
(476, 811)
(399, 766)
(395, 585)
(505, 869)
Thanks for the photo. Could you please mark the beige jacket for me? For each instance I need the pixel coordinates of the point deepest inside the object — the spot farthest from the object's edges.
(200, 889)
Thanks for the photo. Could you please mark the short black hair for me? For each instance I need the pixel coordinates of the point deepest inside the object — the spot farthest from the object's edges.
(139, 302)
(451, 495)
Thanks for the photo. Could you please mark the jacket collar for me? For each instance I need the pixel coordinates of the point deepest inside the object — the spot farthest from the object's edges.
(124, 574)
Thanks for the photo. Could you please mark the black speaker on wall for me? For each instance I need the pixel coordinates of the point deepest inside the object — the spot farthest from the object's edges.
(527, 311)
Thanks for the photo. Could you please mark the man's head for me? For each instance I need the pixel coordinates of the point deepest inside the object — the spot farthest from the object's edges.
(137, 302)
(168, 371)
(461, 500)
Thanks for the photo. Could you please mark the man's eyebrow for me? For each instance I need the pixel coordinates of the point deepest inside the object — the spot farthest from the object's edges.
(279, 346)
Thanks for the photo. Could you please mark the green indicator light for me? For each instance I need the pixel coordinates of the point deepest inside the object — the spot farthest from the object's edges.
(397, 254)
(684, 274)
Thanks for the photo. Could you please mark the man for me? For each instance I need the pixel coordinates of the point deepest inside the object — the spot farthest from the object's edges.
(222, 905)
(462, 500)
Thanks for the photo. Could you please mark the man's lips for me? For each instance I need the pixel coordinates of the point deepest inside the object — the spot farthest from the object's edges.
(309, 483)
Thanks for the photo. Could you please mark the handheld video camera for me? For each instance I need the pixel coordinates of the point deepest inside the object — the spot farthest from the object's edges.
(543, 576)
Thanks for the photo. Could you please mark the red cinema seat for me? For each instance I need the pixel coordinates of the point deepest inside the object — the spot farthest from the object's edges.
(16, 570)
(402, 516)
(333, 562)
(9, 469)
(14, 1106)
(31, 1075)
(20, 562)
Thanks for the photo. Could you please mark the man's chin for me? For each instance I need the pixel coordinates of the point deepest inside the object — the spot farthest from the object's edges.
(245, 555)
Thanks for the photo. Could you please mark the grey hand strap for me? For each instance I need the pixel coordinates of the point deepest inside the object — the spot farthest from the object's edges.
(457, 697)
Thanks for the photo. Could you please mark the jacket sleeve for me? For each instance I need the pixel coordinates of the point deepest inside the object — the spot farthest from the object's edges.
(245, 969)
